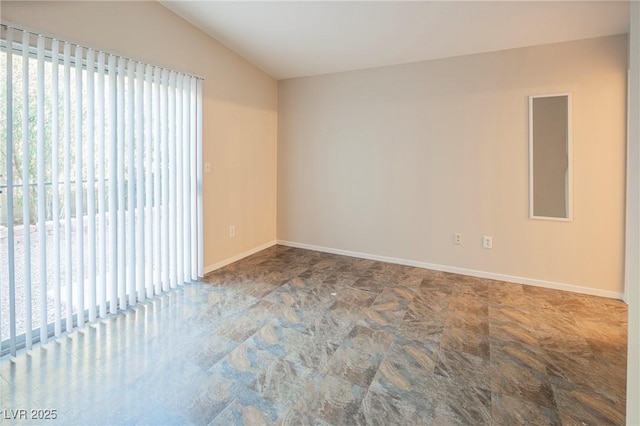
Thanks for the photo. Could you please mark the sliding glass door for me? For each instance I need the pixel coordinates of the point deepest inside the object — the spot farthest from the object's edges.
(100, 180)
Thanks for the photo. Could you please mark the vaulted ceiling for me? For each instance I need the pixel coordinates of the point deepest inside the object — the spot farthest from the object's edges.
(300, 38)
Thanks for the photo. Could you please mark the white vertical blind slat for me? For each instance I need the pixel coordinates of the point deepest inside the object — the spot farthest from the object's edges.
(10, 192)
(140, 249)
(130, 181)
(172, 179)
(26, 216)
(179, 203)
(200, 231)
(157, 261)
(2, 313)
(102, 229)
(113, 186)
(55, 188)
(148, 152)
(80, 284)
(42, 209)
(194, 182)
(122, 265)
(164, 215)
(91, 185)
(187, 179)
(68, 293)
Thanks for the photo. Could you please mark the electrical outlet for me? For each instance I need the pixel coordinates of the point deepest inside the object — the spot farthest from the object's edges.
(487, 242)
(457, 239)
(232, 231)
(207, 167)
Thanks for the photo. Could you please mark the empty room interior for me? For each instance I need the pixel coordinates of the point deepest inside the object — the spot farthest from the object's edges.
(320, 212)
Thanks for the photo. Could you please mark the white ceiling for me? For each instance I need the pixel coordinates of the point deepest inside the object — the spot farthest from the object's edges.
(299, 38)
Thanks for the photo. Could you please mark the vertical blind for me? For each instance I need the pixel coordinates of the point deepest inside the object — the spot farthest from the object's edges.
(100, 180)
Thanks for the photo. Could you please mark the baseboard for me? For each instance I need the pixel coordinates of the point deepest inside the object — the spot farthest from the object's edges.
(461, 271)
(237, 257)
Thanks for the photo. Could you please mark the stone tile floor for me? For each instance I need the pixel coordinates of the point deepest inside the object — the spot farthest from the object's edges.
(297, 337)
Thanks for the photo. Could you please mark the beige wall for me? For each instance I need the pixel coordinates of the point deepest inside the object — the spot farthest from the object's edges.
(239, 106)
(392, 161)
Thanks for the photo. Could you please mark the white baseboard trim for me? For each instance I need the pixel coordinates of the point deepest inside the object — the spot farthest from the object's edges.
(228, 261)
(461, 271)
